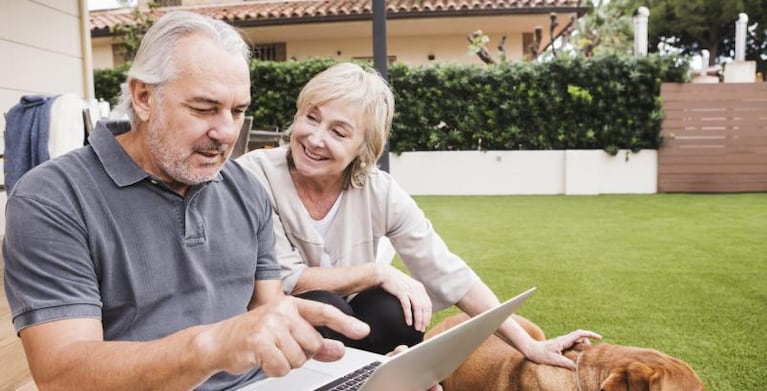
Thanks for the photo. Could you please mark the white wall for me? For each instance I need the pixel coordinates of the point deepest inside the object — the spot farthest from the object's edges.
(525, 172)
(41, 52)
(410, 40)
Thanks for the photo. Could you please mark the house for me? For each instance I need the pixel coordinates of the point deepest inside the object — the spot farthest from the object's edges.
(49, 58)
(418, 31)
(44, 50)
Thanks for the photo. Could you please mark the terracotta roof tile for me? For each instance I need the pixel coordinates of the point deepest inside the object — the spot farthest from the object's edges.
(306, 11)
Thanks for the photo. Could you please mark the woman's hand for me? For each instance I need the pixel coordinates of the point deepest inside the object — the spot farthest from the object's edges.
(550, 351)
(416, 304)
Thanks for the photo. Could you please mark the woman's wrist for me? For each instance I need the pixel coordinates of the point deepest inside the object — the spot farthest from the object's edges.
(378, 274)
(518, 338)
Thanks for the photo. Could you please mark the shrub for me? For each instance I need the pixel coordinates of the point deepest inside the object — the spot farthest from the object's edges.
(605, 102)
(107, 82)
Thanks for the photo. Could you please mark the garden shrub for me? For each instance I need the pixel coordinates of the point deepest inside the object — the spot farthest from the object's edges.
(605, 103)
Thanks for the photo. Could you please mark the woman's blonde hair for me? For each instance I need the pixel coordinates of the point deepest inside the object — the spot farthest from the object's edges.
(353, 85)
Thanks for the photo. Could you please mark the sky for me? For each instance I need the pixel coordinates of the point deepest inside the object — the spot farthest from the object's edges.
(94, 5)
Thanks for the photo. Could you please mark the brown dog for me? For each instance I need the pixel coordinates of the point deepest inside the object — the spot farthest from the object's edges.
(601, 367)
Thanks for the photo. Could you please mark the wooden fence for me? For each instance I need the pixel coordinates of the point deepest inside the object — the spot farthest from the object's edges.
(714, 138)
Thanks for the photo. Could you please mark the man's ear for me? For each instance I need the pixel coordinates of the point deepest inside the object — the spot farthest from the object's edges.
(140, 98)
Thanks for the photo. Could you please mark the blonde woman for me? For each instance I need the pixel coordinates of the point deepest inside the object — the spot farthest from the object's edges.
(332, 206)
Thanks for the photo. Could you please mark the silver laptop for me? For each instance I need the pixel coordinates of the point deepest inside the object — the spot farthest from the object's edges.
(416, 369)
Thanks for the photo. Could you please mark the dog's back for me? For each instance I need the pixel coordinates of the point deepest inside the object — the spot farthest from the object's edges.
(496, 366)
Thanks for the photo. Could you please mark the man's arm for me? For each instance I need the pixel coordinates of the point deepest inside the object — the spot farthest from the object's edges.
(278, 336)
(71, 354)
(265, 291)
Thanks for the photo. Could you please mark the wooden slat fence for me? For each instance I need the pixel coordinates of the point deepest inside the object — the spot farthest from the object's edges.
(714, 138)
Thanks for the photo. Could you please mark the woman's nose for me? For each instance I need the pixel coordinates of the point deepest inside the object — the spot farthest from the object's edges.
(317, 137)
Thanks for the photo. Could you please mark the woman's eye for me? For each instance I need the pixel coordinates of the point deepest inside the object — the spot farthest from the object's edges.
(338, 133)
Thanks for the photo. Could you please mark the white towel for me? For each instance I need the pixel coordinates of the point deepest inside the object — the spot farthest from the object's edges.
(66, 130)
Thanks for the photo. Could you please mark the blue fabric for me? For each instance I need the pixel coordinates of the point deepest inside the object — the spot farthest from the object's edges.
(26, 136)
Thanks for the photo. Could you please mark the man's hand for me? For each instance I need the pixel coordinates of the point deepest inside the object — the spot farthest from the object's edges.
(279, 336)
(416, 304)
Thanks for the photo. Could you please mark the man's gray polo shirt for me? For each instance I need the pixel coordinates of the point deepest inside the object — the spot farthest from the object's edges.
(90, 234)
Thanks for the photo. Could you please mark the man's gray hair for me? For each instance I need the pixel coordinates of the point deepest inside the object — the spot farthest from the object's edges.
(153, 63)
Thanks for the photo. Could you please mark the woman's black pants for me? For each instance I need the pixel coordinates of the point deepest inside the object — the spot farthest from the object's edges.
(380, 310)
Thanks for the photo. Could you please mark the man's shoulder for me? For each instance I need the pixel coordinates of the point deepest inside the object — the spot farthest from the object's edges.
(243, 179)
(263, 160)
(70, 168)
(237, 171)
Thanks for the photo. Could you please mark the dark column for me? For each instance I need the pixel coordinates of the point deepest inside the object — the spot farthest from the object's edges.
(380, 60)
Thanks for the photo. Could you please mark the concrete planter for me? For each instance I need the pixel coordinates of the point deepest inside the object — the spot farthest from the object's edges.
(526, 172)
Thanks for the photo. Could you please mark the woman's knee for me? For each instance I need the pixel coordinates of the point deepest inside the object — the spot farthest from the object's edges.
(328, 297)
(384, 313)
(378, 303)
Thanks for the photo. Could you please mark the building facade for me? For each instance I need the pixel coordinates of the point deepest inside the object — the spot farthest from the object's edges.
(418, 31)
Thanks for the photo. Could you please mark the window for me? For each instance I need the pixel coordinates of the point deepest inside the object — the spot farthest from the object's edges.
(270, 51)
(528, 40)
(370, 60)
(167, 3)
(118, 54)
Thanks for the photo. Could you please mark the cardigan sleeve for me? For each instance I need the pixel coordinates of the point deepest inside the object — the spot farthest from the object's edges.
(266, 166)
(446, 276)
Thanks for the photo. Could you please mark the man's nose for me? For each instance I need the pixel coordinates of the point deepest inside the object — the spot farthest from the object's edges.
(226, 128)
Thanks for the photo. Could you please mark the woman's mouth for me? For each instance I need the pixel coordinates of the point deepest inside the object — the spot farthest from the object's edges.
(313, 156)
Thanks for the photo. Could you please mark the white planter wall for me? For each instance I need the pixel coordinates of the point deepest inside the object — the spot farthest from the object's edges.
(525, 172)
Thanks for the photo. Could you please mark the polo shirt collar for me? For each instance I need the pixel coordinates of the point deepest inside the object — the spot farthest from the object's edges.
(117, 163)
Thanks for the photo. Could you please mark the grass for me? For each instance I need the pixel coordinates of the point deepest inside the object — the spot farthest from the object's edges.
(683, 274)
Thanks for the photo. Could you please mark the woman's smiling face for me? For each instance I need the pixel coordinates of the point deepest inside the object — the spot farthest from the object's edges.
(325, 140)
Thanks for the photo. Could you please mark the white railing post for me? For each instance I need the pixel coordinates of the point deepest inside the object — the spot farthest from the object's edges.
(640, 31)
(740, 37)
(705, 57)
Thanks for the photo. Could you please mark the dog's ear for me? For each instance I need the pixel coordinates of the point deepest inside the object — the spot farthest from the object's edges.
(634, 377)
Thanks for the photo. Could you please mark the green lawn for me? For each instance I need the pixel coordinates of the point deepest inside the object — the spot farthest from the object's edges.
(684, 274)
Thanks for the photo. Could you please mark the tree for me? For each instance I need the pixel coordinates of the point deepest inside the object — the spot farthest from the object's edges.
(694, 25)
(133, 33)
(606, 29)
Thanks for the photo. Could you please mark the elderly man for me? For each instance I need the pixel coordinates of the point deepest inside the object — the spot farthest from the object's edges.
(146, 259)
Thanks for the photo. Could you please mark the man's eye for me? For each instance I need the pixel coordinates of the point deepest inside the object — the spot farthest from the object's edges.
(204, 110)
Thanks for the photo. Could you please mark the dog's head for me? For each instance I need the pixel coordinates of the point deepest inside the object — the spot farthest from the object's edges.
(637, 369)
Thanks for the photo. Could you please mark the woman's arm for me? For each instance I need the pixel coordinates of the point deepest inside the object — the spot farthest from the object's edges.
(341, 280)
(345, 280)
(480, 298)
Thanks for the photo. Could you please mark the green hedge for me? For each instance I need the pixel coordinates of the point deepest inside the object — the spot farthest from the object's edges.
(107, 82)
(583, 103)
(605, 103)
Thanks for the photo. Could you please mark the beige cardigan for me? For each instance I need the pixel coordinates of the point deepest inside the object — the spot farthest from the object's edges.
(380, 208)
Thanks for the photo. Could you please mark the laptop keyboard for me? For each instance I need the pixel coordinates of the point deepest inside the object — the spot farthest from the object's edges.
(351, 381)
